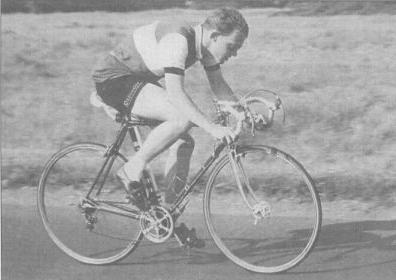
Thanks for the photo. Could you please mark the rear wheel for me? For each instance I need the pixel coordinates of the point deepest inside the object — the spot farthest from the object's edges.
(99, 228)
(262, 209)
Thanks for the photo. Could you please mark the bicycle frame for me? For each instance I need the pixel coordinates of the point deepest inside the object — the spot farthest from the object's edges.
(131, 127)
(231, 165)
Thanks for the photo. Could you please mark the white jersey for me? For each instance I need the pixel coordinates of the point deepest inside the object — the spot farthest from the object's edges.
(153, 50)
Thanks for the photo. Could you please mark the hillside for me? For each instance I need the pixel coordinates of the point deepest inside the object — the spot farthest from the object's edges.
(290, 7)
(335, 74)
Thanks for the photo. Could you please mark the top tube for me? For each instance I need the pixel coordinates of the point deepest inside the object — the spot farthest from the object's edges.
(134, 120)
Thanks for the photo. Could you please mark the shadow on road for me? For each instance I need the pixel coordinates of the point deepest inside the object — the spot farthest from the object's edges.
(337, 243)
(366, 239)
(358, 235)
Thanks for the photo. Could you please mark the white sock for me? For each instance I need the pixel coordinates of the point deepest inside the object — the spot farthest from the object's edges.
(133, 169)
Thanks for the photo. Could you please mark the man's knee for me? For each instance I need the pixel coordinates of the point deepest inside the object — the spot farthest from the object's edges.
(182, 126)
(183, 147)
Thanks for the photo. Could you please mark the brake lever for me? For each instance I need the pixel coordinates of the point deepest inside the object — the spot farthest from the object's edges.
(253, 126)
(279, 105)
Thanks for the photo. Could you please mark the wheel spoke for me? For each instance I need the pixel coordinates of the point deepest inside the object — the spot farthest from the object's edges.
(95, 231)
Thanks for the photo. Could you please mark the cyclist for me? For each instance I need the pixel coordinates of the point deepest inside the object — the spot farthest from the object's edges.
(128, 78)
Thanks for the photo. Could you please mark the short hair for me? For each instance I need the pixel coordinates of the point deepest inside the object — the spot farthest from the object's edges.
(226, 20)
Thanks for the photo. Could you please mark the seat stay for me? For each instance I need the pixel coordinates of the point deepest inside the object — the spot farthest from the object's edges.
(106, 172)
(98, 176)
(112, 207)
(110, 156)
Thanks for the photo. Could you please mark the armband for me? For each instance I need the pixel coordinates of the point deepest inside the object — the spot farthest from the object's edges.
(212, 67)
(174, 70)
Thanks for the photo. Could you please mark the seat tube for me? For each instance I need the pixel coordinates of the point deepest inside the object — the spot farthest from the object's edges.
(137, 141)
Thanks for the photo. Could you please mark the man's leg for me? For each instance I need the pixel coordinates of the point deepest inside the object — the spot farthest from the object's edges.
(176, 172)
(152, 103)
(177, 166)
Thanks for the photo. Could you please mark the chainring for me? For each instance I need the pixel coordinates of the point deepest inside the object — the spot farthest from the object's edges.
(157, 224)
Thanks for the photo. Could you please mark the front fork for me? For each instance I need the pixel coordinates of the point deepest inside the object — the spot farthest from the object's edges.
(259, 208)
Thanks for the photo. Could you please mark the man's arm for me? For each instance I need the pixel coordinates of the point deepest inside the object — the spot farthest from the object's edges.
(178, 98)
(174, 51)
(219, 86)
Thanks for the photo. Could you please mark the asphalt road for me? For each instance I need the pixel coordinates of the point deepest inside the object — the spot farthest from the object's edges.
(346, 250)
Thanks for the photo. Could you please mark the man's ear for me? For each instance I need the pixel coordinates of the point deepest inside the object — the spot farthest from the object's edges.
(214, 35)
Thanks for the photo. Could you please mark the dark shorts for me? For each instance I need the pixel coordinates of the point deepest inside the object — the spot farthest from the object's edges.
(121, 93)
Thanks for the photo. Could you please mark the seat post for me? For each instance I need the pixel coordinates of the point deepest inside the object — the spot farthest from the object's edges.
(134, 133)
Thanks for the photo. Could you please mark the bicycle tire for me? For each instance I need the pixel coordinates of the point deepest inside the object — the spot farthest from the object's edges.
(285, 238)
(63, 183)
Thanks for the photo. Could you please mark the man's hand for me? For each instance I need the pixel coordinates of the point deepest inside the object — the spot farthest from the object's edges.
(223, 133)
(273, 105)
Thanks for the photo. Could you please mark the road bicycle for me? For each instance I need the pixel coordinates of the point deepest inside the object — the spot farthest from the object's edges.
(260, 205)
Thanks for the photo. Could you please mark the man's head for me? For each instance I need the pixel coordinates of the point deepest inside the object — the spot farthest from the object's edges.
(226, 30)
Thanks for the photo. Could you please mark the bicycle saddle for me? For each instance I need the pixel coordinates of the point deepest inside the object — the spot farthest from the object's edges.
(113, 113)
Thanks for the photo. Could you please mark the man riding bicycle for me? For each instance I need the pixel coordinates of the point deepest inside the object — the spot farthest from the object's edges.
(127, 79)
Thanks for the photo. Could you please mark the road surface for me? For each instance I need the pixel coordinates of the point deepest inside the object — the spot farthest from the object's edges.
(364, 249)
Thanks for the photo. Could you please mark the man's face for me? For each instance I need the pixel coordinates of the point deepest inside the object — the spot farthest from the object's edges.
(222, 47)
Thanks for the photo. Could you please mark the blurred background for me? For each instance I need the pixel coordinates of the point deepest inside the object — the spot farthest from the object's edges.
(332, 62)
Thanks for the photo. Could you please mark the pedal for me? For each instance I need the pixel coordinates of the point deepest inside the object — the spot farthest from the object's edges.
(181, 244)
(187, 238)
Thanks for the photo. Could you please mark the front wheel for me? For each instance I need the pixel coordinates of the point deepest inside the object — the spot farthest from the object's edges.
(262, 209)
(94, 227)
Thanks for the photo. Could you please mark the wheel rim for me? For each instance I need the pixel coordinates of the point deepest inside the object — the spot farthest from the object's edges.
(80, 229)
(277, 243)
